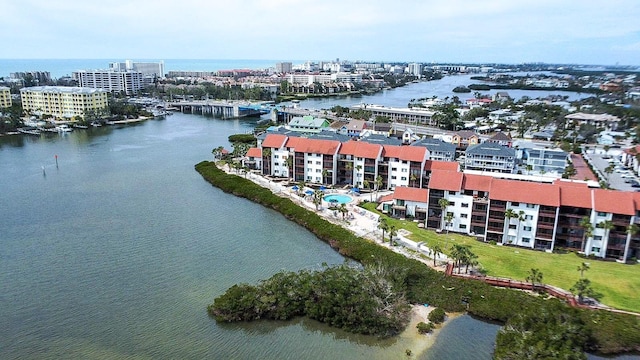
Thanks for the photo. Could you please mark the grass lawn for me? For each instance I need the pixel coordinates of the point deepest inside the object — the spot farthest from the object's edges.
(619, 283)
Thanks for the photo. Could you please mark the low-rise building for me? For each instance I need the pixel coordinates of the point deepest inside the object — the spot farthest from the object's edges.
(5, 97)
(308, 124)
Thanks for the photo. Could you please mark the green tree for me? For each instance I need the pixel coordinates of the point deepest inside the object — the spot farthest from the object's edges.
(508, 215)
(582, 289)
(534, 277)
(443, 203)
(383, 225)
(317, 198)
(392, 234)
(436, 250)
(587, 231)
(378, 184)
(367, 185)
(608, 171)
(584, 266)
(448, 219)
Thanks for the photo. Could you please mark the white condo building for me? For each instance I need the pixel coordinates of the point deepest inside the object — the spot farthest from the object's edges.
(63, 102)
(128, 82)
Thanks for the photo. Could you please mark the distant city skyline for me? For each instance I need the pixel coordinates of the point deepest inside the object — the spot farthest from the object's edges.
(456, 31)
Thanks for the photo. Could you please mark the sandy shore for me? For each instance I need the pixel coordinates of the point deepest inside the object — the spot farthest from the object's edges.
(414, 341)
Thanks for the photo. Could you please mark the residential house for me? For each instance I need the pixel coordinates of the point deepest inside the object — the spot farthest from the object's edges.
(465, 138)
(501, 138)
(253, 159)
(598, 120)
(308, 124)
(545, 160)
(354, 128)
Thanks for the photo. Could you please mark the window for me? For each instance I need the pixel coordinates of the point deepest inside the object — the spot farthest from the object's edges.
(512, 226)
(317, 179)
(463, 216)
(595, 249)
(515, 204)
(464, 205)
(603, 214)
(318, 170)
(276, 164)
(309, 162)
(394, 169)
(527, 228)
(318, 163)
(528, 217)
(392, 178)
(597, 238)
(462, 226)
(403, 178)
(526, 240)
(404, 170)
(276, 156)
(530, 206)
(276, 171)
(452, 203)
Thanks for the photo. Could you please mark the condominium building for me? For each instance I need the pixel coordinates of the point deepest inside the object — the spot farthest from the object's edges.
(148, 69)
(490, 157)
(63, 102)
(126, 82)
(284, 67)
(5, 97)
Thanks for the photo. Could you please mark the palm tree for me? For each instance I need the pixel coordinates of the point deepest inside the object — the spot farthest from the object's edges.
(582, 268)
(392, 233)
(317, 198)
(325, 175)
(413, 178)
(349, 168)
(528, 167)
(443, 203)
(217, 152)
(448, 218)
(289, 162)
(521, 217)
(378, 184)
(608, 171)
(384, 226)
(607, 225)
(343, 210)
(585, 224)
(358, 168)
(583, 289)
(436, 250)
(508, 215)
(535, 276)
(367, 185)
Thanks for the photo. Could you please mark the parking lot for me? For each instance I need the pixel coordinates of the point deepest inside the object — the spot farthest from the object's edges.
(621, 179)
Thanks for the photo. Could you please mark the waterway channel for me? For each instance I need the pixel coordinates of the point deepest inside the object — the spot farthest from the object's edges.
(115, 252)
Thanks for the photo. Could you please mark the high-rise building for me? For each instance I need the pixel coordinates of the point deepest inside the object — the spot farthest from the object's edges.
(415, 69)
(148, 69)
(284, 67)
(127, 82)
(63, 102)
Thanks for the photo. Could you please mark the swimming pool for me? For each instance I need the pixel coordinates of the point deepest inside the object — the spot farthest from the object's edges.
(338, 199)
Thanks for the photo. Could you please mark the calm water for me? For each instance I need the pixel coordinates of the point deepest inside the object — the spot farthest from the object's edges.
(117, 252)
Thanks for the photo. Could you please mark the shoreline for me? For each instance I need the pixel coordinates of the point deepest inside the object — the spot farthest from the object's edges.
(418, 343)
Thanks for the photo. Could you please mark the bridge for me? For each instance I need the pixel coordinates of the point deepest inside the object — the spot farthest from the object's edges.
(226, 109)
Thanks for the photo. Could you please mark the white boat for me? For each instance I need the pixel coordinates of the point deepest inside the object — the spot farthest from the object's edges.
(64, 128)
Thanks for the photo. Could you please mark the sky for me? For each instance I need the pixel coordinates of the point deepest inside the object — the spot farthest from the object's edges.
(457, 31)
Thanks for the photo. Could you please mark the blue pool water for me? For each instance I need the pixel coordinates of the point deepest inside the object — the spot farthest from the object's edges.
(338, 198)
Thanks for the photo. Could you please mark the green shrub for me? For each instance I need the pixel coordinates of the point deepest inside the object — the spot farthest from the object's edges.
(437, 316)
(425, 328)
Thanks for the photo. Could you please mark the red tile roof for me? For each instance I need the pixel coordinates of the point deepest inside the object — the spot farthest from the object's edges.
(408, 153)
(361, 149)
(386, 198)
(254, 152)
(477, 182)
(525, 192)
(616, 202)
(316, 146)
(574, 194)
(293, 141)
(441, 165)
(446, 180)
(411, 194)
(274, 141)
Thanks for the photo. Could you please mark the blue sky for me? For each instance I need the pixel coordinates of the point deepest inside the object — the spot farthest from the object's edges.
(504, 31)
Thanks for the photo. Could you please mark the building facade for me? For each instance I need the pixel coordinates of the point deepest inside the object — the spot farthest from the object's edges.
(5, 97)
(126, 82)
(490, 157)
(64, 102)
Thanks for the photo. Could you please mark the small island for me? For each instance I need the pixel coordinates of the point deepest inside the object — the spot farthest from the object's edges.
(461, 89)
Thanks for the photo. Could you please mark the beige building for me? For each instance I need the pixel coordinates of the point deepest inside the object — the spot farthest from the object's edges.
(63, 102)
(5, 97)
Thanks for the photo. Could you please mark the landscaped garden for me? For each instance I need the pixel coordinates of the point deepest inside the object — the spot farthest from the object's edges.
(618, 283)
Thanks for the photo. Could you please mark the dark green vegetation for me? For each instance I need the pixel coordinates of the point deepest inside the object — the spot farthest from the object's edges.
(364, 301)
(437, 316)
(425, 328)
(609, 332)
(551, 332)
(248, 139)
(461, 89)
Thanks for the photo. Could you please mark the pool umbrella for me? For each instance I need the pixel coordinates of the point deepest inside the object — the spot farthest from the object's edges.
(295, 187)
